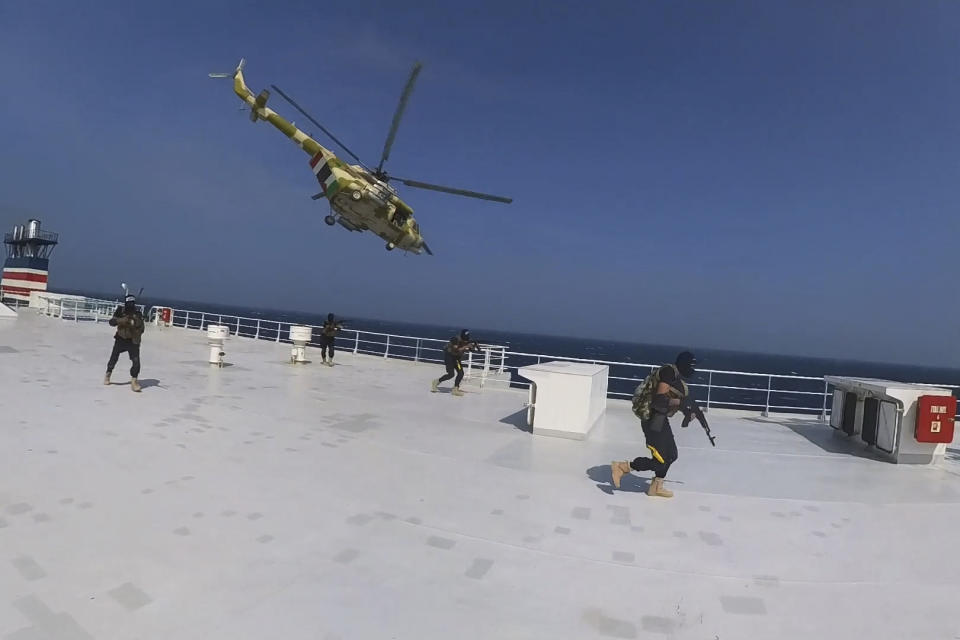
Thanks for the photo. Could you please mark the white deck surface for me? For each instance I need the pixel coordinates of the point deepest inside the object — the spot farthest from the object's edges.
(271, 502)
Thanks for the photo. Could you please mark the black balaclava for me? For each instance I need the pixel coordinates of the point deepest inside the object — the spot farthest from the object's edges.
(464, 335)
(686, 364)
(329, 317)
(129, 304)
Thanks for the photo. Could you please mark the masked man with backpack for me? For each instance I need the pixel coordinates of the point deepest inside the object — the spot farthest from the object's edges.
(660, 396)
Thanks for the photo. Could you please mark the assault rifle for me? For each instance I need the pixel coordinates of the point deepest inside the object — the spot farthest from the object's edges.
(337, 324)
(474, 345)
(692, 410)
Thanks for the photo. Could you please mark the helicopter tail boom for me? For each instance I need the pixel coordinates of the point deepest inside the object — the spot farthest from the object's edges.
(259, 110)
(239, 85)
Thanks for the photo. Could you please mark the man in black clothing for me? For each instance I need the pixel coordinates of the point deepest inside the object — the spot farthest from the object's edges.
(657, 401)
(328, 332)
(453, 361)
(129, 323)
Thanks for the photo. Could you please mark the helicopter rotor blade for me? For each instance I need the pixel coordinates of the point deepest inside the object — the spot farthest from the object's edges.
(322, 128)
(427, 249)
(404, 97)
(456, 192)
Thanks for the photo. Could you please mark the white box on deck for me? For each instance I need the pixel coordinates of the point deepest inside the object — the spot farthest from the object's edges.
(568, 398)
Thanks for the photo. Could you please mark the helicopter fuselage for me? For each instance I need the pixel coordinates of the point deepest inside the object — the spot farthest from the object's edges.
(358, 200)
(369, 204)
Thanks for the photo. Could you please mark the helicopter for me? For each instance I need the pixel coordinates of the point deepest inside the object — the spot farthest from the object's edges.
(361, 198)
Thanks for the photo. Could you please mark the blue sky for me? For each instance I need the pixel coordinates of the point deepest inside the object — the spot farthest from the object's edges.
(768, 176)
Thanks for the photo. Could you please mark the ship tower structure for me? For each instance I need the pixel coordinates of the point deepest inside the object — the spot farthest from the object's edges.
(26, 267)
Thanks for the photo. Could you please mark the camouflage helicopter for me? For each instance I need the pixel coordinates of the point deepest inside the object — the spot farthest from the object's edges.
(361, 198)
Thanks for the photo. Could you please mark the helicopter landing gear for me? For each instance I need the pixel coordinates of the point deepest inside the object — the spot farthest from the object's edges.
(391, 246)
(330, 220)
(356, 195)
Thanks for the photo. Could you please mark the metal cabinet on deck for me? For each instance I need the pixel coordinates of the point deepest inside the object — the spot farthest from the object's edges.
(882, 414)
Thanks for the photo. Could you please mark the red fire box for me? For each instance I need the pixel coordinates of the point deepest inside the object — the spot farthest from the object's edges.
(935, 418)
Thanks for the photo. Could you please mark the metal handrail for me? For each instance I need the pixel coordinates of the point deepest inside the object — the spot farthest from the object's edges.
(398, 346)
(649, 366)
(46, 236)
(78, 309)
(493, 367)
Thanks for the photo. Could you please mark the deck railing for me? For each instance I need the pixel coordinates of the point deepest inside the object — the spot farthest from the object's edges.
(484, 365)
(79, 309)
(494, 364)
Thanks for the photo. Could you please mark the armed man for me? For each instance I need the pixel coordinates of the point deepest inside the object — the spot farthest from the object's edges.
(453, 360)
(129, 323)
(328, 332)
(660, 397)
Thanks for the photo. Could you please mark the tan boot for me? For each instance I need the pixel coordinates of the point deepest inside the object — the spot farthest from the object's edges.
(433, 386)
(106, 379)
(618, 470)
(656, 489)
(135, 385)
(456, 391)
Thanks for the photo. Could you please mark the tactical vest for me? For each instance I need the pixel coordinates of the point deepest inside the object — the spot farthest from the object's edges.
(132, 331)
(643, 394)
(329, 329)
(455, 348)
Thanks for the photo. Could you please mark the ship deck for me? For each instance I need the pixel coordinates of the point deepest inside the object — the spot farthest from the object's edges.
(266, 500)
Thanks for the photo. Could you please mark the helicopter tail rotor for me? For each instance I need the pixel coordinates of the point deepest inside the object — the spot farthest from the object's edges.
(232, 74)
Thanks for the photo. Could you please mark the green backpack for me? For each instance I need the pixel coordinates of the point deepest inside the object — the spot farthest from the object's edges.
(643, 394)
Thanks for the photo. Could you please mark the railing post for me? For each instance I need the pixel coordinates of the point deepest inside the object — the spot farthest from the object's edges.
(257, 335)
(766, 411)
(238, 326)
(386, 351)
(356, 342)
(486, 366)
(416, 354)
(469, 365)
(823, 413)
(709, 388)
(503, 359)
(278, 332)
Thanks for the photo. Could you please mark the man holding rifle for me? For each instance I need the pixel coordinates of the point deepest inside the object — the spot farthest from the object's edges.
(453, 360)
(328, 332)
(660, 396)
(129, 323)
